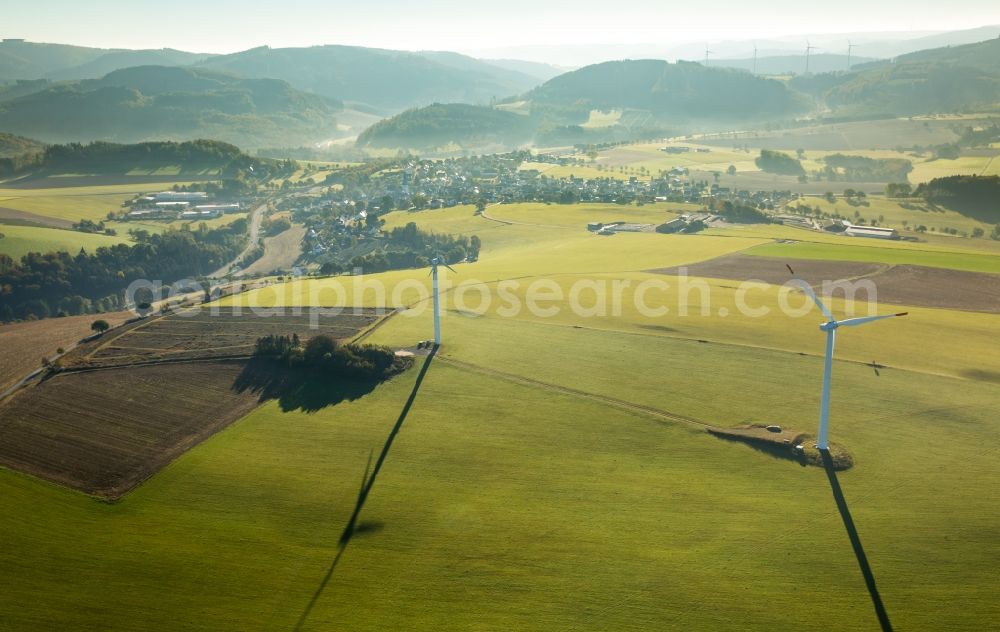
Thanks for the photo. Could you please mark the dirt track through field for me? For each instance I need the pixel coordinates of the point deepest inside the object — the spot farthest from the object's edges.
(648, 411)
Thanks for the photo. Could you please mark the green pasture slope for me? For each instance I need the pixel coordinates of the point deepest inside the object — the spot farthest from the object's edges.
(20, 240)
(512, 499)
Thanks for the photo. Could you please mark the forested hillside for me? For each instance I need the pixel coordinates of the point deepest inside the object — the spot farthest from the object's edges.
(157, 102)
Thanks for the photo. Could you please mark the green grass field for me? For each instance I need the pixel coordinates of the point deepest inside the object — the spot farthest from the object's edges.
(518, 496)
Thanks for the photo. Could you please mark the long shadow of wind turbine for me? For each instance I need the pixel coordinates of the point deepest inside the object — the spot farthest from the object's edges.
(859, 551)
(367, 482)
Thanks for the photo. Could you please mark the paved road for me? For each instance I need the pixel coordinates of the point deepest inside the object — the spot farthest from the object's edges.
(256, 217)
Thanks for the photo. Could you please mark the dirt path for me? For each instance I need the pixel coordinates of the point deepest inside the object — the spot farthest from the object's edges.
(648, 411)
(508, 222)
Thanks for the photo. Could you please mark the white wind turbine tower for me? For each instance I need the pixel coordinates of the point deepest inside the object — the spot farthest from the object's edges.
(850, 49)
(435, 262)
(755, 59)
(809, 49)
(830, 327)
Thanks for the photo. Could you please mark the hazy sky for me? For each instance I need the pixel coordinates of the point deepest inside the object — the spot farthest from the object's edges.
(226, 25)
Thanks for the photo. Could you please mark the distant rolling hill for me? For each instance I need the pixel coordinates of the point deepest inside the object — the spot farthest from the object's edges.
(983, 55)
(31, 60)
(120, 59)
(957, 78)
(18, 153)
(11, 145)
(538, 70)
(650, 94)
(792, 64)
(385, 79)
(683, 91)
(439, 125)
(156, 102)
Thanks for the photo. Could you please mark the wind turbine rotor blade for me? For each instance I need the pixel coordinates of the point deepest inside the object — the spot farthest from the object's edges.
(809, 292)
(805, 287)
(854, 322)
(450, 268)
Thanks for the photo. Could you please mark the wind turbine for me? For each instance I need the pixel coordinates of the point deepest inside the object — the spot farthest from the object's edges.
(850, 49)
(809, 49)
(755, 59)
(707, 53)
(830, 327)
(435, 262)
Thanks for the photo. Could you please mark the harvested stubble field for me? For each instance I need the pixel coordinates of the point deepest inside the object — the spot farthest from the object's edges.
(198, 334)
(105, 425)
(919, 286)
(22, 345)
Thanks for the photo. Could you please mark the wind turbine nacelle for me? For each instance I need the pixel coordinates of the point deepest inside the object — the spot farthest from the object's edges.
(828, 326)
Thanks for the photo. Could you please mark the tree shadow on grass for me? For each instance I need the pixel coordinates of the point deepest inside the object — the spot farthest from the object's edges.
(859, 551)
(354, 526)
(298, 389)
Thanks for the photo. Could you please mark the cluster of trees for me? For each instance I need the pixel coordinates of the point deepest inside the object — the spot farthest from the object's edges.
(780, 163)
(985, 136)
(742, 214)
(58, 283)
(402, 248)
(277, 226)
(325, 353)
(971, 195)
(90, 226)
(898, 190)
(864, 169)
(454, 249)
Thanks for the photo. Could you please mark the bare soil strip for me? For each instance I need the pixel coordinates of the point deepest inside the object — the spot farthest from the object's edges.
(280, 252)
(14, 216)
(917, 286)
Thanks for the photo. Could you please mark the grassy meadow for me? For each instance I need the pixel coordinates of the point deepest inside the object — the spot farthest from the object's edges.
(511, 499)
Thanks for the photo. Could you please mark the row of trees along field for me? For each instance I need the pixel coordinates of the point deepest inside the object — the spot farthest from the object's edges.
(58, 283)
